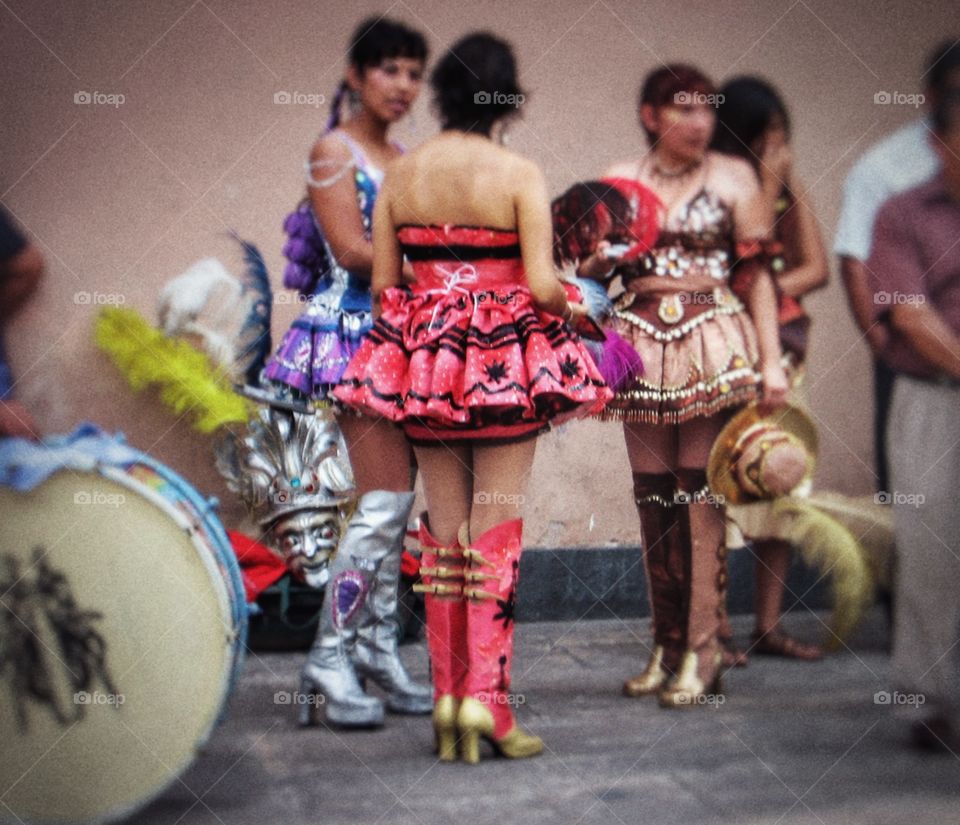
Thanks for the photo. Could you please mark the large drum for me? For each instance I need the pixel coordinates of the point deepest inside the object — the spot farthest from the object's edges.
(122, 627)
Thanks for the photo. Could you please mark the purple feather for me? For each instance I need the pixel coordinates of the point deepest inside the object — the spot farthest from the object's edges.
(618, 363)
(299, 250)
(291, 223)
(296, 276)
(305, 251)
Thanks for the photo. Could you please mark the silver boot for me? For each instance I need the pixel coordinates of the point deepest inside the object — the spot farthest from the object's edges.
(375, 651)
(329, 671)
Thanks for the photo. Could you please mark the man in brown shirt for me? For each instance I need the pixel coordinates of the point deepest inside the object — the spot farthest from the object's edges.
(915, 274)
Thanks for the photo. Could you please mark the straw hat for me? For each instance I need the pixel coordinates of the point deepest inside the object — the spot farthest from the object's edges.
(763, 454)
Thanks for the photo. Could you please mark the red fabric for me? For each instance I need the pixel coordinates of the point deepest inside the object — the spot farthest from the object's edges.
(647, 211)
(450, 234)
(446, 619)
(465, 350)
(574, 294)
(789, 309)
(259, 565)
(409, 565)
(490, 622)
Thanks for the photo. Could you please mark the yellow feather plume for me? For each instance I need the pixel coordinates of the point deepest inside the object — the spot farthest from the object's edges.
(825, 544)
(187, 380)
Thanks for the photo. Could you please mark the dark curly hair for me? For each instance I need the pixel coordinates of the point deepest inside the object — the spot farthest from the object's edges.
(377, 39)
(475, 84)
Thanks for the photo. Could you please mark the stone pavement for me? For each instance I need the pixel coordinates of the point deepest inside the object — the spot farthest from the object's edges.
(792, 743)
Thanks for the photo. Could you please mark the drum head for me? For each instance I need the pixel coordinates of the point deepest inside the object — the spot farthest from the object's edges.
(116, 648)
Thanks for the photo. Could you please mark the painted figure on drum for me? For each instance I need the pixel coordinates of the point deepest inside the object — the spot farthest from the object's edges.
(54, 653)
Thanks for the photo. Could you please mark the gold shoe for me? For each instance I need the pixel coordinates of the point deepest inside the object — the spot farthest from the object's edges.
(474, 721)
(688, 690)
(445, 727)
(651, 680)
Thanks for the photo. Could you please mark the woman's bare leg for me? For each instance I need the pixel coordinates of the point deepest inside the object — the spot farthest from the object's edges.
(500, 479)
(651, 448)
(447, 474)
(773, 564)
(379, 454)
(772, 567)
(695, 438)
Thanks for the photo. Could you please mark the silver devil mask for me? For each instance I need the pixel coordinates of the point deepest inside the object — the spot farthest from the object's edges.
(292, 471)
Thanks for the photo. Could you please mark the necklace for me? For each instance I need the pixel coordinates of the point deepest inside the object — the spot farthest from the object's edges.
(672, 174)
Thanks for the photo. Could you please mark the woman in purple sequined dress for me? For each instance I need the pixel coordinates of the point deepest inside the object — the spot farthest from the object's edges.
(331, 258)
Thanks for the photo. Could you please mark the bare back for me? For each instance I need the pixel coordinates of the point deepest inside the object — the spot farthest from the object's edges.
(457, 179)
(468, 180)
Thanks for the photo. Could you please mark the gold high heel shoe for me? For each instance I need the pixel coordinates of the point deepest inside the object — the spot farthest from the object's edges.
(445, 727)
(651, 680)
(475, 721)
(689, 690)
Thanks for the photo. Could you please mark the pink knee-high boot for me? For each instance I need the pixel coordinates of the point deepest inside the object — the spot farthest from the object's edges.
(492, 571)
(442, 583)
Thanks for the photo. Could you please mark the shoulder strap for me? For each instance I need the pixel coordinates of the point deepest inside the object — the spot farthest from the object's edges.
(323, 173)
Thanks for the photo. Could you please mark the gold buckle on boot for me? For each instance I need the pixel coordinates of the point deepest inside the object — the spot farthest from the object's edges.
(439, 589)
(477, 557)
(442, 572)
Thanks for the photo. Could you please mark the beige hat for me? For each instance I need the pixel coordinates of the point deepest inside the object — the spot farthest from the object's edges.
(763, 455)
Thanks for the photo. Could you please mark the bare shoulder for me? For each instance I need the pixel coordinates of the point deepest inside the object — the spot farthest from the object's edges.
(524, 168)
(623, 169)
(733, 179)
(329, 147)
(402, 165)
(733, 169)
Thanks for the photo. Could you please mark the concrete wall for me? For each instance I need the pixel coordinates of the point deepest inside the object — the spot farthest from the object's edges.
(123, 197)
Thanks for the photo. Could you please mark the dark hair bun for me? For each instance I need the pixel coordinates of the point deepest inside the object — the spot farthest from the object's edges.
(475, 84)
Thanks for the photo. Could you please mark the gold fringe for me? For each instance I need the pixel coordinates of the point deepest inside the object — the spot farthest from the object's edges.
(699, 409)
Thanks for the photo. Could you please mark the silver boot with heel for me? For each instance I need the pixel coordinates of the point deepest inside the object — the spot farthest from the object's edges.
(357, 636)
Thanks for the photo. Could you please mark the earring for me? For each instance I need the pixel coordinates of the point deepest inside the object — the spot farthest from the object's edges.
(353, 102)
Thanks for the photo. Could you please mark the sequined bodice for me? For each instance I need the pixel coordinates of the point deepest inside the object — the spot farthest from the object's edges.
(462, 258)
(367, 179)
(697, 241)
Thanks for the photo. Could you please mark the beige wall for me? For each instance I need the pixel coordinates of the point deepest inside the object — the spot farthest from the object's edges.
(123, 198)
